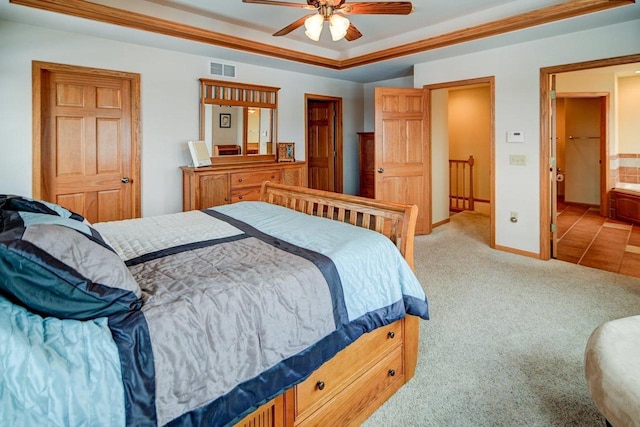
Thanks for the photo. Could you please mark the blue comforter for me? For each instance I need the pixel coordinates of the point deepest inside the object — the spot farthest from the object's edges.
(241, 302)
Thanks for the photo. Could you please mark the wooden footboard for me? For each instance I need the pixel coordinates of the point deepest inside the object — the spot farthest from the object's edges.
(347, 389)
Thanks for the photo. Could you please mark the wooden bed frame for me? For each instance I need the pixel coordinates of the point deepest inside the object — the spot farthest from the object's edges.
(348, 388)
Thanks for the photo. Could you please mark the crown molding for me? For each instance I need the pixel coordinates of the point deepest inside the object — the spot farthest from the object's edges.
(111, 15)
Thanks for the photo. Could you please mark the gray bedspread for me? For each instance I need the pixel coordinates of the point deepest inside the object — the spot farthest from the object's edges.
(241, 302)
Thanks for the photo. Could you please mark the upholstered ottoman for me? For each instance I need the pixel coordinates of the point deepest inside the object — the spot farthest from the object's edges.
(612, 369)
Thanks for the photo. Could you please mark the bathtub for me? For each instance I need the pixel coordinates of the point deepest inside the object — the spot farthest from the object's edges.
(625, 202)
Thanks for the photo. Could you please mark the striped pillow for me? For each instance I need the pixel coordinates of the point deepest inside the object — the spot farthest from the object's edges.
(61, 267)
(25, 204)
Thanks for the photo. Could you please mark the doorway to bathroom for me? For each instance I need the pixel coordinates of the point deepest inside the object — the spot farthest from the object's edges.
(578, 215)
(581, 149)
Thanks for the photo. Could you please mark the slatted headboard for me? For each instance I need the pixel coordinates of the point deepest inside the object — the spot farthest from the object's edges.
(395, 220)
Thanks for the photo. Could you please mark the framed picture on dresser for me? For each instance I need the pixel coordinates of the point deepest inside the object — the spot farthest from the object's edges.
(286, 152)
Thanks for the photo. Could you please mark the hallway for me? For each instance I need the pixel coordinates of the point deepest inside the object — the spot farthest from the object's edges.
(586, 238)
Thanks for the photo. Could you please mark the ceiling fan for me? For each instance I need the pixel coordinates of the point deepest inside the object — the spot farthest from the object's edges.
(333, 11)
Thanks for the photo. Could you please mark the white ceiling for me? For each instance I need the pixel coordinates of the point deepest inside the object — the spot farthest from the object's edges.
(257, 23)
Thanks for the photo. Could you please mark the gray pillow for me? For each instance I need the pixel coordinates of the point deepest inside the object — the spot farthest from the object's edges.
(15, 203)
(62, 267)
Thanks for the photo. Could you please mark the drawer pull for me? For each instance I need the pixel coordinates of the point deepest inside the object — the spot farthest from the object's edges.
(320, 385)
(239, 179)
(240, 197)
(392, 372)
(226, 199)
(273, 177)
(391, 335)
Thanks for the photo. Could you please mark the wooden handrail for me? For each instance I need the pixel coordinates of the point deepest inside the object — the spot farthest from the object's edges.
(461, 185)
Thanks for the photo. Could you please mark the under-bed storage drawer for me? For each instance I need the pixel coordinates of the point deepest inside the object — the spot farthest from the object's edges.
(367, 388)
(331, 379)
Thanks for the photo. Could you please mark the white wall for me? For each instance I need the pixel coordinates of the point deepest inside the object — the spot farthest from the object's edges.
(439, 155)
(170, 99)
(629, 117)
(517, 85)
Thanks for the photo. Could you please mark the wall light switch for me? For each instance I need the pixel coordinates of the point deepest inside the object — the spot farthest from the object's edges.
(515, 136)
(518, 160)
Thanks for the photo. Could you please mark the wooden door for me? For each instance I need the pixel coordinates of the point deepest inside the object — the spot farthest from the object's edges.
(402, 158)
(321, 145)
(87, 144)
(583, 141)
(553, 165)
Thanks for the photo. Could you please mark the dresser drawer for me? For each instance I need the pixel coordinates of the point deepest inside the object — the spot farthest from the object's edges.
(368, 387)
(245, 194)
(247, 179)
(331, 378)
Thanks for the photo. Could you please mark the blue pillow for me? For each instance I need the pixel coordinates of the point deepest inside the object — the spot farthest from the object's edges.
(61, 267)
(25, 204)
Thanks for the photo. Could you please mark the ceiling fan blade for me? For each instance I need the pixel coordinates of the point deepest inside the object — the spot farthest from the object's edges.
(294, 25)
(281, 3)
(378, 8)
(352, 33)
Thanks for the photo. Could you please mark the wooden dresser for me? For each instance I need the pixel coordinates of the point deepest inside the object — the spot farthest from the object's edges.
(218, 185)
(367, 164)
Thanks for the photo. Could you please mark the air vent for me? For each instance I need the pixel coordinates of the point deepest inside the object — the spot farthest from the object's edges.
(222, 70)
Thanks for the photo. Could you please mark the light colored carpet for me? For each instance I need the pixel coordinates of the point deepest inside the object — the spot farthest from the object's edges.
(506, 339)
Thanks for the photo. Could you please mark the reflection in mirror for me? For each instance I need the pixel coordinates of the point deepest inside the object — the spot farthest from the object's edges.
(238, 121)
(237, 130)
(258, 131)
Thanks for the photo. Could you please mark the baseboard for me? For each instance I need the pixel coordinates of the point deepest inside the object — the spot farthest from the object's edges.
(443, 222)
(518, 251)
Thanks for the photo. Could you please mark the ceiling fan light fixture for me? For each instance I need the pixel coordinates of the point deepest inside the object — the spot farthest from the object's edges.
(338, 25)
(313, 26)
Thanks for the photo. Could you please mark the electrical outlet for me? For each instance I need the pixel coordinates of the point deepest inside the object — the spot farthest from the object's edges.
(513, 216)
(518, 159)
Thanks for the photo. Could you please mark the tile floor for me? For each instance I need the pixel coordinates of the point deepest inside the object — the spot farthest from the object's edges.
(586, 238)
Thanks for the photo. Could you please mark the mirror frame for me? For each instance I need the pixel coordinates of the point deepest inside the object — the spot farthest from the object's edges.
(218, 92)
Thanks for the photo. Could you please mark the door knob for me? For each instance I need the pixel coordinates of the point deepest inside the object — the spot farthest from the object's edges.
(125, 180)
(380, 170)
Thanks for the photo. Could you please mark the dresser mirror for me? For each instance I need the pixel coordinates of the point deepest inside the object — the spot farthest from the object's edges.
(238, 121)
